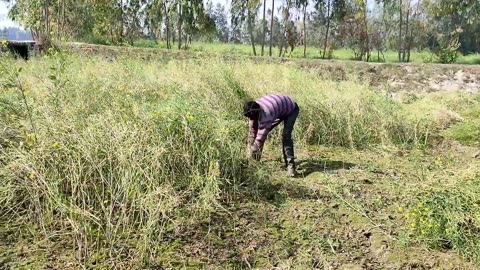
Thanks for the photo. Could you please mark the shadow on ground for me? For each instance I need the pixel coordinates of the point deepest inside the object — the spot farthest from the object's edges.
(276, 190)
(254, 223)
(309, 166)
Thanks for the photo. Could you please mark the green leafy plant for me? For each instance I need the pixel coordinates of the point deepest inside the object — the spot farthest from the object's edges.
(447, 53)
(447, 220)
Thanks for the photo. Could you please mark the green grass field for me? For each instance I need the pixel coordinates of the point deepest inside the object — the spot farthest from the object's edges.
(312, 52)
(141, 164)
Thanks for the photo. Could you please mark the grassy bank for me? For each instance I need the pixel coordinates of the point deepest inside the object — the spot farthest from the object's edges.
(312, 52)
(141, 164)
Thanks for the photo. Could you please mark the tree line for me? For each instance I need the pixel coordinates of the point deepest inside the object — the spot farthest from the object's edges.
(367, 27)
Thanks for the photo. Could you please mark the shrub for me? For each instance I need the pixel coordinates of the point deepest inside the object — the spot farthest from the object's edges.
(448, 219)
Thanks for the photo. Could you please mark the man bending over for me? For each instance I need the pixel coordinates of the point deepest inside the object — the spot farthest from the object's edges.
(265, 114)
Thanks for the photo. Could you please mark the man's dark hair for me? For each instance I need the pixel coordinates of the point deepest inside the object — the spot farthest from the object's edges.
(251, 109)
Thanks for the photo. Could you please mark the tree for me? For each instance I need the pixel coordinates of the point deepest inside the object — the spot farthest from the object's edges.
(403, 16)
(219, 15)
(378, 41)
(198, 22)
(286, 27)
(250, 20)
(354, 30)
(412, 27)
(264, 25)
(455, 19)
(154, 18)
(35, 15)
(361, 7)
(405, 28)
(447, 26)
(180, 6)
(383, 25)
(131, 25)
(400, 39)
(271, 28)
(188, 17)
(328, 17)
(244, 11)
(302, 4)
(305, 29)
(167, 8)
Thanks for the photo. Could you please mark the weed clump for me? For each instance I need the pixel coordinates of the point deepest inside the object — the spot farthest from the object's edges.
(448, 220)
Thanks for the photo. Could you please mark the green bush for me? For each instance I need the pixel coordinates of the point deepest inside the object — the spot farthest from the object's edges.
(468, 130)
(449, 44)
(447, 55)
(448, 219)
(145, 43)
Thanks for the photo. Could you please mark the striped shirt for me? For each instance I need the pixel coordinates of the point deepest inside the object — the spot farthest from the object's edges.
(274, 109)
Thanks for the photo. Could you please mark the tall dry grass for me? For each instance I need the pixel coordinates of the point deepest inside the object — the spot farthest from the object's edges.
(117, 156)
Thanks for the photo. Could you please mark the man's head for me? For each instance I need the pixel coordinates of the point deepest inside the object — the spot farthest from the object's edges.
(251, 109)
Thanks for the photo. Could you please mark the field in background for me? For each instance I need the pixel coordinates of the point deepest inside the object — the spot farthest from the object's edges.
(312, 52)
(115, 160)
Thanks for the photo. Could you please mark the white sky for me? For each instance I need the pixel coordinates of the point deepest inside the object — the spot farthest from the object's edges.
(4, 20)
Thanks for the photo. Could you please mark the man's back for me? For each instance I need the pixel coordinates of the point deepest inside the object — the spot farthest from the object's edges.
(275, 106)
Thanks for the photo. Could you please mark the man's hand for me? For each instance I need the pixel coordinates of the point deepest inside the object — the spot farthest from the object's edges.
(250, 142)
(256, 152)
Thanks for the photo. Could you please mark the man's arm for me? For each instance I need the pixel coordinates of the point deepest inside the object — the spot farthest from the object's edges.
(252, 134)
(252, 131)
(262, 133)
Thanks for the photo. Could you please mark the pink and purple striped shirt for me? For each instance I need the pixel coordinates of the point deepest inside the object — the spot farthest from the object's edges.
(275, 108)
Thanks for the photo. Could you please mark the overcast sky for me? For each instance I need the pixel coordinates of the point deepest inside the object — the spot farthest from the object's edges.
(5, 22)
